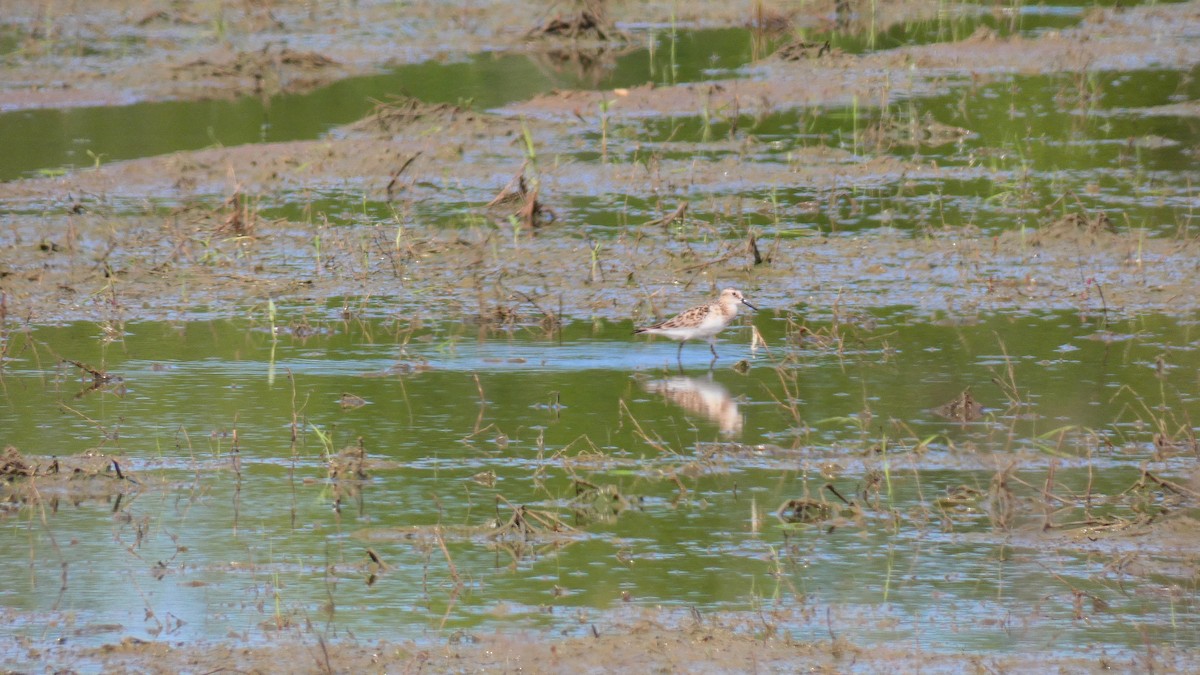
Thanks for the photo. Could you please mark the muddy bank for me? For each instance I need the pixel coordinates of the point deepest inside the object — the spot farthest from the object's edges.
(653, 643)
(78, 53)
(1114, 40)
(193, 265)
(186, 234)
(189, 235)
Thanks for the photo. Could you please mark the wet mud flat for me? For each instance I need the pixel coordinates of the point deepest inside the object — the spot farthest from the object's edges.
(439, 213)
(108, 53)
(253, 221)
(649, 643)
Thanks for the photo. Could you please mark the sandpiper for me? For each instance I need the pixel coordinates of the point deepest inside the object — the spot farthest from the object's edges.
(701, 321)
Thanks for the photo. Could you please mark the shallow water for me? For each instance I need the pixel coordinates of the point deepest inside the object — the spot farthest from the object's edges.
(214, 542)
(49, 140)
(235, 528)
(1026, 141)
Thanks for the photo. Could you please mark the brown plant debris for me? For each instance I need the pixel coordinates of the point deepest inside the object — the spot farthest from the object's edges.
(350, 401)
(518, 200)
(805, 50)
(960, 497)
(588, 24)
(240, 217)
(1079, 229)
(393, 180)
(963, 408)
(13, 465)
(804, 510)
(485, 478)
(598, 499)
(163, 16)
(400, 112)
(99, 377)
(267, 69)
(28, 479)
(527, 523)
(824, 337)
(350, 463)
(1091, 225)
(983, 34)
(925, 131)
(101, 380)
(679, 213)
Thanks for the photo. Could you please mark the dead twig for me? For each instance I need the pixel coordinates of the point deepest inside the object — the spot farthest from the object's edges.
(665, 221)
(396, 175)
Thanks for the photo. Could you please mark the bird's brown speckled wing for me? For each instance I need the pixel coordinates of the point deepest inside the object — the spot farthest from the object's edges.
(689, 318)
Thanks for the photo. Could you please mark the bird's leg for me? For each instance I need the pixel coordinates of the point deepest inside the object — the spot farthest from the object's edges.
(712, 345)
(679, 353)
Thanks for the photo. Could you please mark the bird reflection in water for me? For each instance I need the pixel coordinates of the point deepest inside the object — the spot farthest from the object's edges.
(703, 397)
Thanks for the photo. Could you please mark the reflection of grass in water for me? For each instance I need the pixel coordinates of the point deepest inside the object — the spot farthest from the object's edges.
(1011, 490)
(1007, 382)
(1171, 432)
